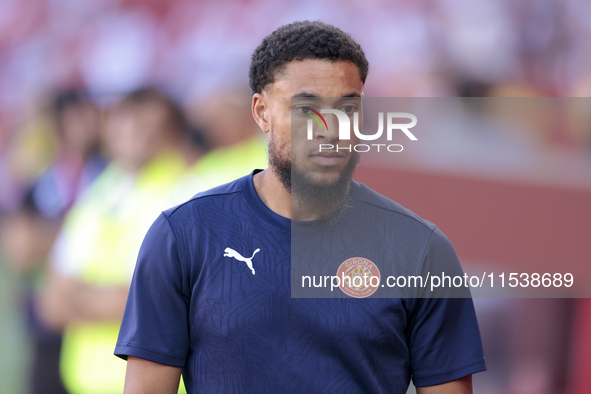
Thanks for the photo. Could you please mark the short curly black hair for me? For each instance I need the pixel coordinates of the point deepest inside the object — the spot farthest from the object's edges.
(300, 41)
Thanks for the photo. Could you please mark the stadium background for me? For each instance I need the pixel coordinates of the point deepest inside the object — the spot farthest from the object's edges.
(495, 211)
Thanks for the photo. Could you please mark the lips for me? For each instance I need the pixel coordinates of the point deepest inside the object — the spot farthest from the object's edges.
(328, 158)
(330, 154)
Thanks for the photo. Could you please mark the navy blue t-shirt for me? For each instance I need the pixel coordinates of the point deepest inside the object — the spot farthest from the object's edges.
(211, 293)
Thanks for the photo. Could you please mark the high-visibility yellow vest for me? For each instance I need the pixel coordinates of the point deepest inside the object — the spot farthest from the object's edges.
(102, 236)
(227, 164)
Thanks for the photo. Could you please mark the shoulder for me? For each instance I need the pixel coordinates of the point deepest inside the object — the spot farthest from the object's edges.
(207, 201)
(371, 200)
(422, 243)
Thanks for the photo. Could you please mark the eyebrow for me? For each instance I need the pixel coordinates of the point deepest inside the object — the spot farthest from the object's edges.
(314, 95)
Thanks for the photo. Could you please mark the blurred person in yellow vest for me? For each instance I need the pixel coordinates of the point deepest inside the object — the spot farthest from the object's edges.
(236, 144)
(94, 256)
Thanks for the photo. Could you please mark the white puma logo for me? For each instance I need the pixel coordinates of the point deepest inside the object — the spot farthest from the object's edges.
(229, 252)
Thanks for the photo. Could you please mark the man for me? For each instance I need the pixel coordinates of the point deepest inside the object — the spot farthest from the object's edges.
(211, 291)
(29, 233)
(94, 256)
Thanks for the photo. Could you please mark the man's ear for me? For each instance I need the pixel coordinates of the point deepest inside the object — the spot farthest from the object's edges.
(260, 110)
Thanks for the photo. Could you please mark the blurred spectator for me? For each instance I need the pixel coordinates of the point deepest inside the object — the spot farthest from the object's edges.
(28, 232)
(238, 145)
(94, 257)
(32, 147)
(26, 237)
(78, 161)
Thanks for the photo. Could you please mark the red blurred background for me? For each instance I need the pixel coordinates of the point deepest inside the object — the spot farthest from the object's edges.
(526, 208)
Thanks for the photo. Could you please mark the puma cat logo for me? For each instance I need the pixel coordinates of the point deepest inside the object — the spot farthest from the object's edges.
(229, 252)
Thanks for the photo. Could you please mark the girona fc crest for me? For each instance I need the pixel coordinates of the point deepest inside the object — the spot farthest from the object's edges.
(359, 277)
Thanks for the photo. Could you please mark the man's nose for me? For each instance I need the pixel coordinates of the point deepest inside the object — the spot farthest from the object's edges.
(330, 131)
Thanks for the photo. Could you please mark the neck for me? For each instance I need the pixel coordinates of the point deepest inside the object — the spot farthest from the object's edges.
(279, 200)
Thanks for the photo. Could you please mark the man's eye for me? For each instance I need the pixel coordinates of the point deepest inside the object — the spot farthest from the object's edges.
(305, 110)
(349, 109)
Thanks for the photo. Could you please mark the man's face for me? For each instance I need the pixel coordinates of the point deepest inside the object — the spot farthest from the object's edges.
(136, 132)
(300, 87)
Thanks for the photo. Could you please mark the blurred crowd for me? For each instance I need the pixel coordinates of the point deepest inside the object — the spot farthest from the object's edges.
(113, 110)
(73, 232)
(195, 49)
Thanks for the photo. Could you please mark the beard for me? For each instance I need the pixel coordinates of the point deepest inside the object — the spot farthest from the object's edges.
(327, 197)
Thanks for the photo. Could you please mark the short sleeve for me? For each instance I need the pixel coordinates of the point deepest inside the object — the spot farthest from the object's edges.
(442, 333)
(155, 323)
